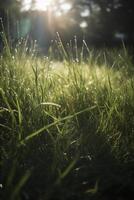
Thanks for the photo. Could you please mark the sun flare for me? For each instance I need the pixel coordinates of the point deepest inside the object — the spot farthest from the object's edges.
(59, 7)
(43, 4)
(37, 4)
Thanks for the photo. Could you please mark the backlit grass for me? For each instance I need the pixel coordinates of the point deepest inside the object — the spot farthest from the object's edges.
(67, 127)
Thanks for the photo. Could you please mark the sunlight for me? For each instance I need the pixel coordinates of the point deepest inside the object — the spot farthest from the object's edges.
(43, 4)
(85, 13)
(83, 24)
(26, 5)
(65, 7)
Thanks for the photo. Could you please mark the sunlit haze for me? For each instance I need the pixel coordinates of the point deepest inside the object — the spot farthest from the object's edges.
(43, 5)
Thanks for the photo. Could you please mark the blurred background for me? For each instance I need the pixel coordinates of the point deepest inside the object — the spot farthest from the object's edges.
(100, 22)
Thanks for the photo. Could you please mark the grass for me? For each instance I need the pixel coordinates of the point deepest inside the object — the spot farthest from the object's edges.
(67, 127)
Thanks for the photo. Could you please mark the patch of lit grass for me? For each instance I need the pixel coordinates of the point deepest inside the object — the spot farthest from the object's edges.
(67, 127)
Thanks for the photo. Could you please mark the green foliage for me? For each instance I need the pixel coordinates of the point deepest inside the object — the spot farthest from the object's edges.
(67, 128)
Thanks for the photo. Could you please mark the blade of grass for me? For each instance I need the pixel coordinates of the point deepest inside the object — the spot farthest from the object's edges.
(36, 133)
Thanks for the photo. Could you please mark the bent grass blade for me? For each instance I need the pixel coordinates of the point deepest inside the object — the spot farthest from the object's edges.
(49, 104)
(36, 133)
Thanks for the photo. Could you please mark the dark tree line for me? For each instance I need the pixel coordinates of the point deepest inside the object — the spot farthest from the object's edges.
(109, 18)
(108, 22)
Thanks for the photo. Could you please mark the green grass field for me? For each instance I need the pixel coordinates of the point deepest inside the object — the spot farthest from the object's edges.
(66, 127)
